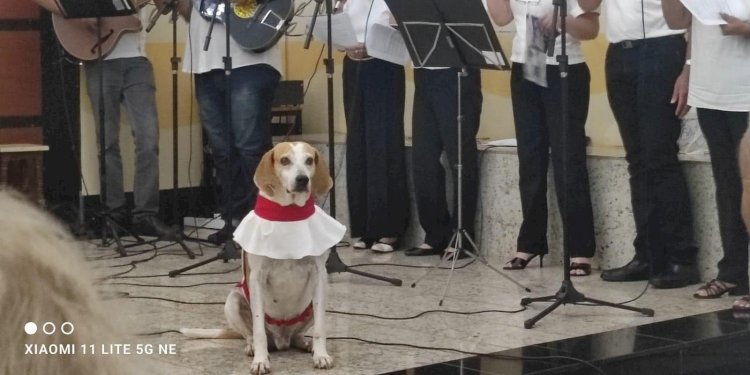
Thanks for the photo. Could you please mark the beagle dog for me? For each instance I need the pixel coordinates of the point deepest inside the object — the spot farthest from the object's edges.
(286, 241)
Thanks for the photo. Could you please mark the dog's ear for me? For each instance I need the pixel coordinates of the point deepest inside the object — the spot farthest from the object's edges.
(321, 181)
(265, 175)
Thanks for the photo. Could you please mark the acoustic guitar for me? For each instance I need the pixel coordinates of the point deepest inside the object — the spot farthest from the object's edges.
(80, 38)
(255, 25)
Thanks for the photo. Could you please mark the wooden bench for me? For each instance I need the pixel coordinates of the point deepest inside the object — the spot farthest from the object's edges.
(21, 167)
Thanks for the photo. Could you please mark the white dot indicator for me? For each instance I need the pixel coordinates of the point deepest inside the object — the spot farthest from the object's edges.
(30, 328)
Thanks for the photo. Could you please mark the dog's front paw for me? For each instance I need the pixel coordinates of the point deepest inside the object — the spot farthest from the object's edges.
(249, 349)
(260, 366)
(323, 361)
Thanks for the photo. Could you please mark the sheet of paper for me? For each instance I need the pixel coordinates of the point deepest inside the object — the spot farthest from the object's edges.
(386, 43)
(342, 31)
(709, 12)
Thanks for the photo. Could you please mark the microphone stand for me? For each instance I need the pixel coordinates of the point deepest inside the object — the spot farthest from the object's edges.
(334, 263)
(567, 292)
(229, 251)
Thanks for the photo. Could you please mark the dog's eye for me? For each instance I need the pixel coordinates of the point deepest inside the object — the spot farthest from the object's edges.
(285, 161)
(309, 161)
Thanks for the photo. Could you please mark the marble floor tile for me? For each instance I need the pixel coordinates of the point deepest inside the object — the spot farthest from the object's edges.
(473, 288)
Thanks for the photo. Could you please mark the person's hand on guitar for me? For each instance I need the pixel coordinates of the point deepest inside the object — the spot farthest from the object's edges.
(358, 52)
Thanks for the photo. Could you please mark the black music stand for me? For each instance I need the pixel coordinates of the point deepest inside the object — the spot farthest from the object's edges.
(451, 34)
(100, 9)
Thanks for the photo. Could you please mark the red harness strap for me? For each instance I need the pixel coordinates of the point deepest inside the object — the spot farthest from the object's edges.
(303, 316)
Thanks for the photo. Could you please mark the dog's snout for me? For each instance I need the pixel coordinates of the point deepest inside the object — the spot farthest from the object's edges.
(301, 182)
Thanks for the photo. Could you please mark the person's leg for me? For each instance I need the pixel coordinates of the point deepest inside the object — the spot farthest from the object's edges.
(429, 174)
(253, 89)
(110, 94)
(209, 92)
(386, 193)
(621, 69)
(533, 161)
(723, 132)
(661, 62)
(569, 163)
(356, 148)
(139, 98)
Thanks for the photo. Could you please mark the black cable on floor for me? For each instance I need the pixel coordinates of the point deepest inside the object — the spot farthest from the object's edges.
(423, 313)
(175, 286)
(410, 265)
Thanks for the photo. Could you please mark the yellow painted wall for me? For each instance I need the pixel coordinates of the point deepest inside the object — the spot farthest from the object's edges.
(300, 64)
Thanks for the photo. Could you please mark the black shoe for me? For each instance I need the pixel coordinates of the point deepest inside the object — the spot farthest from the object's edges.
(635, 270)
(220, 236)
(418, 252)
(676, 276)
(150, 225)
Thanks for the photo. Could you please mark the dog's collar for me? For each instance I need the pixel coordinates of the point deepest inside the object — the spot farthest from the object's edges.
(272, 211)
(301, 317)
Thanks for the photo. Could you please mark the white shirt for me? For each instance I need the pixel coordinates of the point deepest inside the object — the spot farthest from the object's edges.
(720, 70)
(366, 12)
(131, 44)
(541, 8)
(636, 19)
(198, 61)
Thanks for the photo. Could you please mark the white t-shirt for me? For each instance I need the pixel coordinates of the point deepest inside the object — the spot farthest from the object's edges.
(541, 8)
(131, 44)
(636, 19)
(720, 70)
(368, 12)
(196, 60)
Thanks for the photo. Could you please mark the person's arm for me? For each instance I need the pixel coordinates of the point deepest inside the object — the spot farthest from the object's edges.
(589, 5)
(49, 5)
(735, 26)
(676, 15)
(583, 27)
(681, 85)
(500, 11)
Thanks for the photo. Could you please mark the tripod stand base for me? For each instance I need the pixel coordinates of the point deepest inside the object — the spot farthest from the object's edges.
(228, 252)
(335, 265)
(568, 294)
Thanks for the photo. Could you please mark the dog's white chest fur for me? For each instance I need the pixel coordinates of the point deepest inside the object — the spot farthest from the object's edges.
(288, 285)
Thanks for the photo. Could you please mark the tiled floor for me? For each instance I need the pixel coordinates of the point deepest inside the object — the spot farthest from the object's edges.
(474, 288)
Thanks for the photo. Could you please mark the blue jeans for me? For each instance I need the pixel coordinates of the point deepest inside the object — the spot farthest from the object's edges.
(640, 80)
(128, 82)
(237, 145)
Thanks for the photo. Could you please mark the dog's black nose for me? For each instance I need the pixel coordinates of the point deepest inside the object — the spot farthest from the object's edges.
(301, 182)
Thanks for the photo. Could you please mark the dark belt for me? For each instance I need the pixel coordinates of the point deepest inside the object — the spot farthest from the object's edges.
(627, 44)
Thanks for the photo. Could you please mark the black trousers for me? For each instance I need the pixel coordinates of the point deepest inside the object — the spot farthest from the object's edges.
(537, 114)
(375, 164)
(434, 131)
(640, 80)
(723, 132)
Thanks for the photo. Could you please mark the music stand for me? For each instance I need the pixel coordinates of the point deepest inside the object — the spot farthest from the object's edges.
(451, 34)
(99, 10)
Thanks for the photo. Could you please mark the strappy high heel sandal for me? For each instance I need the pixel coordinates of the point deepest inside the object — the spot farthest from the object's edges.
(520, 263)
(714, 289)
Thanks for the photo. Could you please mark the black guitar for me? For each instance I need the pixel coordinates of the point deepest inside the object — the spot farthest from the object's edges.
(255, 26)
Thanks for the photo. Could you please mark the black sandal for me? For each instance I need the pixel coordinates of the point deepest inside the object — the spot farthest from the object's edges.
(585, 267)
(714, 289)
(520, 263)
